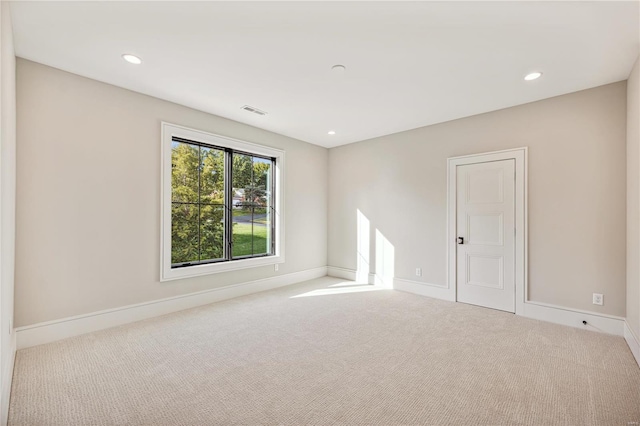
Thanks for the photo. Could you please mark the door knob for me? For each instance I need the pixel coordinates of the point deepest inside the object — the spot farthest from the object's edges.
(460, 240)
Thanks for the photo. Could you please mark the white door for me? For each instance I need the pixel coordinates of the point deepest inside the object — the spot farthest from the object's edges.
(486, 234)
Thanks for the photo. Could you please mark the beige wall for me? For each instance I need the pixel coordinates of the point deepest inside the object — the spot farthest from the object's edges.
(633, 199)
(7, 203)
(577, 206)
(88, 202)
(85, 244)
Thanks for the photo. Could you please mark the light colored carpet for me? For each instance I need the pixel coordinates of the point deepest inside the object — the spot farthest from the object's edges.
(337, 355)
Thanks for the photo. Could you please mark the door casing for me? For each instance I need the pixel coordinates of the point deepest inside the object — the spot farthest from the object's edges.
(521, 267)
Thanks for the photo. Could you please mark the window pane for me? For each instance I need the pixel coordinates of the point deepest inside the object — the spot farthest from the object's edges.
(242, 173)
(252, 201)
(184, 172)
(242, 236)
(262, 202)
(212, 176)
(261, 229)
(255, 192)
(184, 233)
(211, 232)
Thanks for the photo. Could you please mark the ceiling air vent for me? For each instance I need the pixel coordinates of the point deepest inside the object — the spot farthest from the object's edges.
(253, 110)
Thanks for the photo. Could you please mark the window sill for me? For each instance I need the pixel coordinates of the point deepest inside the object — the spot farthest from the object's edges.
(215, 268)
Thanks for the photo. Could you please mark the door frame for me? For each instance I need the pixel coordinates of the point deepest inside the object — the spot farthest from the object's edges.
(520, 155)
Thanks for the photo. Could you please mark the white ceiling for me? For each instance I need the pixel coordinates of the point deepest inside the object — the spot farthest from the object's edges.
(408, 64)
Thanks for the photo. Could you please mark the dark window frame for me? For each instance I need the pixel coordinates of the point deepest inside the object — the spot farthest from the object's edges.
(228, 204)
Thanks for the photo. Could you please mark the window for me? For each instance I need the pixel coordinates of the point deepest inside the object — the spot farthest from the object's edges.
(221, 203)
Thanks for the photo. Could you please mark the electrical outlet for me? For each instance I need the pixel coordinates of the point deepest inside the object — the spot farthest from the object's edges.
(598, 299)
(418, 272)
(275, 267)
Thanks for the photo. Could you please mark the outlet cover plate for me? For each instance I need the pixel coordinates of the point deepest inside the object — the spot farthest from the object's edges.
(598, 299)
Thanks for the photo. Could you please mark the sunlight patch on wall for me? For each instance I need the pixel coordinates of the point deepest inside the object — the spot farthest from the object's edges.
(363, 248)
(385, 261)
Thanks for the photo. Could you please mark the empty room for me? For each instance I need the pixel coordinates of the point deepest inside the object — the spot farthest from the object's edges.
(297, 213)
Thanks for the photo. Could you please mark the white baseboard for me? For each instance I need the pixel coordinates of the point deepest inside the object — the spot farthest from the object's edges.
(632, 341)
(423, 289)
(51, 331)
(344, 273)
(375, 280)
(574, 317)
(352, 275)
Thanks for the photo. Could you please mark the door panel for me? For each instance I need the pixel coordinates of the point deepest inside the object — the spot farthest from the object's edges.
(485, 229)
(486, 222)
(485, 271)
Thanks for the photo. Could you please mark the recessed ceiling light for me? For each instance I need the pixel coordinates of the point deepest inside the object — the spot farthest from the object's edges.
(132, 59)
(338, 69)
(533, 76)
(331, 132)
